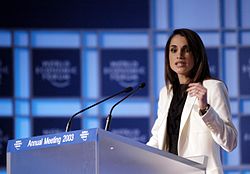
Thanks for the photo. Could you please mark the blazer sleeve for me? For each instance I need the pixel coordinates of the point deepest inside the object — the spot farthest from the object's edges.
(218, 118)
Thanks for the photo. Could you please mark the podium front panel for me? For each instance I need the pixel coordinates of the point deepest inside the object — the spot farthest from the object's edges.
(120, 155)
(64, 160)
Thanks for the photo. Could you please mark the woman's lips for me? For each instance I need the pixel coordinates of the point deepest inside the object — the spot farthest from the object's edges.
(180, 63)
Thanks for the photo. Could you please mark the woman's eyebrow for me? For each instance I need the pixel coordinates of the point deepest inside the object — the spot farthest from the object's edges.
(173, 45)
(184, 46)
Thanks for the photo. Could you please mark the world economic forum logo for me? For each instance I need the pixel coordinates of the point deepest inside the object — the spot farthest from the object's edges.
(124, 72)
(246, 68)
(3, 71)
(84, 135)
(120, 68)
(18, 144)
(57, 72)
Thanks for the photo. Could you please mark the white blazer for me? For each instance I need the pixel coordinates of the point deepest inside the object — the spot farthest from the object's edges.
(199, 135)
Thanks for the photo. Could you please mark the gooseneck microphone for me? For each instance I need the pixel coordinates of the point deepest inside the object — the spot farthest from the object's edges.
(126, 90)
(109, 117)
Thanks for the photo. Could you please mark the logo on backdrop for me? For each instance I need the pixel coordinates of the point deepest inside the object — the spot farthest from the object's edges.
(245, 139)
(123, 68)
(244, 69)
(213, 59)
(56, 72)
(124, 72)
(6, 72)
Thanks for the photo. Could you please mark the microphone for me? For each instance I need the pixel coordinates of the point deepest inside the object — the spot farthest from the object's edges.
(126, 90)
(109, 117)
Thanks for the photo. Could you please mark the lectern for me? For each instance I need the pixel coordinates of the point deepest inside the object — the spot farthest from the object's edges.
(93, 151)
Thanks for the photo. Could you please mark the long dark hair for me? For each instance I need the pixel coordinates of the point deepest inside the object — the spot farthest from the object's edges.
(200, 71)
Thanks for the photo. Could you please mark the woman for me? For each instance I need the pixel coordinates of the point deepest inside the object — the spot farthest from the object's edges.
(194, 116)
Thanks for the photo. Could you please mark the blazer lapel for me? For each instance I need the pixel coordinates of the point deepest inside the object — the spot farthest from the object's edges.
(186, 111)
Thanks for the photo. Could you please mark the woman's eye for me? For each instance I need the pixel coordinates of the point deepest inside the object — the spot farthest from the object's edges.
(172, 50)
(186, 50)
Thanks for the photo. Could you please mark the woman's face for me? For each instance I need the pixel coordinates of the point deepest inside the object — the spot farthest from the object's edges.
(180, 58)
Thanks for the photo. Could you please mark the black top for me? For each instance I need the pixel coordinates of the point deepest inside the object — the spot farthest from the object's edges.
(174, 116)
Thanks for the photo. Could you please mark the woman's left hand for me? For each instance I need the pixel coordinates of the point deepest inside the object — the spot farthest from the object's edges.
(196, 89)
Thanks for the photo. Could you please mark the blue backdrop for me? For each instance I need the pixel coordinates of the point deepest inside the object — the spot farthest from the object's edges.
(54, 64)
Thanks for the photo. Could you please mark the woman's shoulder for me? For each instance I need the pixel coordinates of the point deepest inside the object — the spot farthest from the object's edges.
(165, 90)
(212, 83)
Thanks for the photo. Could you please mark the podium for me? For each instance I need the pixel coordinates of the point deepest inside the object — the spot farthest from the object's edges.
(94, 151)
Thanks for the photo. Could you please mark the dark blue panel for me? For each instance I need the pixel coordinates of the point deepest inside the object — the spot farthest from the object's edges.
(245, 139)
(75, 14)
(6, 133)
(134, 128)
(244, 69)
(123, 68)
(56, 72)
(52, 125)
(213, 59)
(6, 72)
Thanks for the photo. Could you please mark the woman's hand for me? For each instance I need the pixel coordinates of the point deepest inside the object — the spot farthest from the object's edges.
(196, 89)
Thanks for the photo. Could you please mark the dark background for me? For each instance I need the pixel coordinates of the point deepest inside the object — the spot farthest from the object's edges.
(74, 14)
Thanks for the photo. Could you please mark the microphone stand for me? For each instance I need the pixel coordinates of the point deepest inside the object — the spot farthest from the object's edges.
(128, 89)
(109, 117)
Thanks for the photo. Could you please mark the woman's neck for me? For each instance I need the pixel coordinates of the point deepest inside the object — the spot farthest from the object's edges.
(183, 80)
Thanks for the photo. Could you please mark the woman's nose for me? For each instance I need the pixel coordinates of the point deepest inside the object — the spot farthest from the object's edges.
(180, 54)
